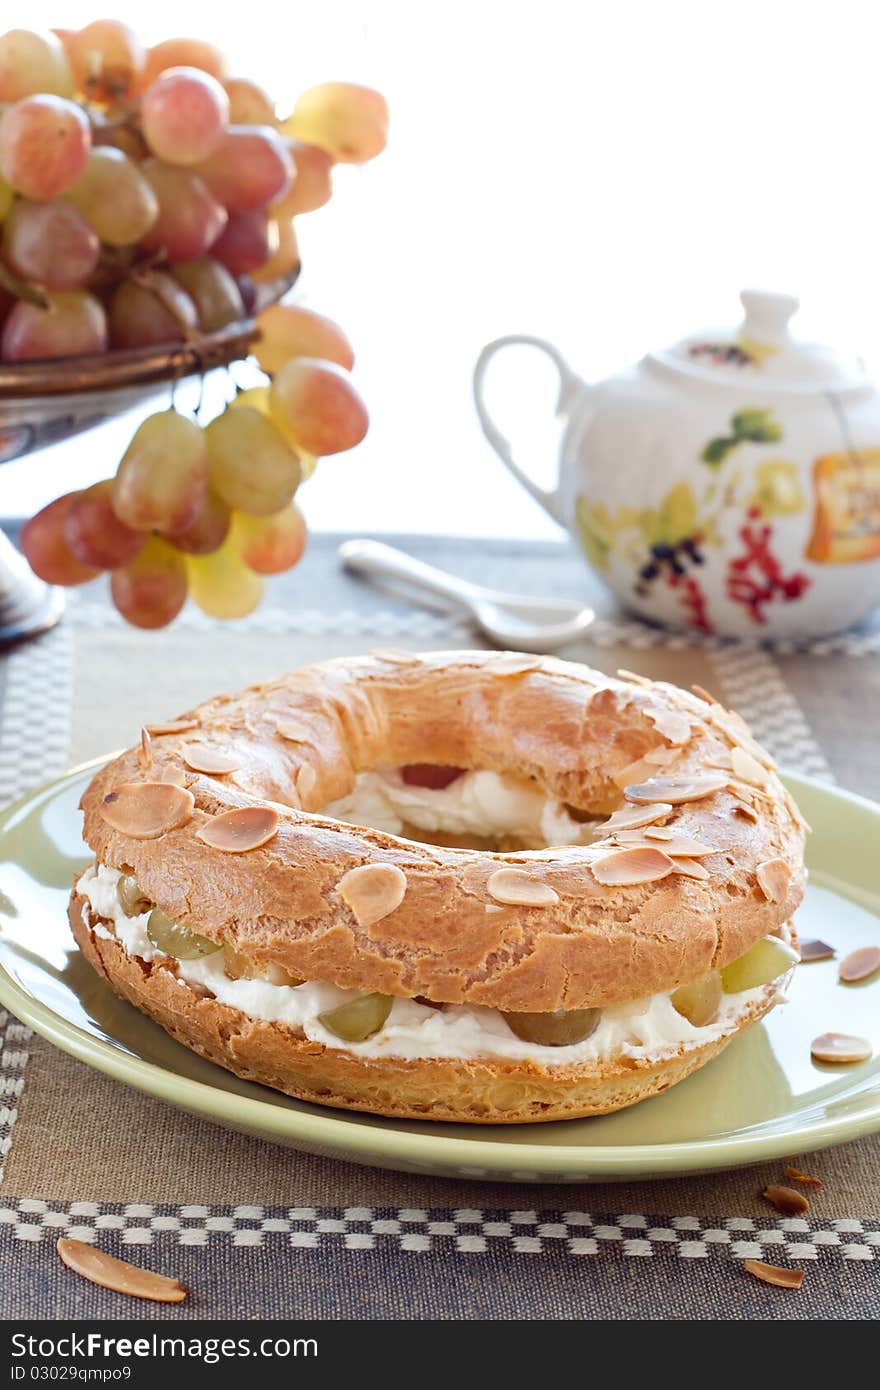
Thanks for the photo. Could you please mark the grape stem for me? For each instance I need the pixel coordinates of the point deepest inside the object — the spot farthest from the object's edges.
(20, 288)
(146, 278)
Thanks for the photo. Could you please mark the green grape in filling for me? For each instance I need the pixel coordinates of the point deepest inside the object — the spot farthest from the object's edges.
(699, 1002)
(134, 902)
(558, 1029)
(359, 1019)
(177, 941)
(765, 961)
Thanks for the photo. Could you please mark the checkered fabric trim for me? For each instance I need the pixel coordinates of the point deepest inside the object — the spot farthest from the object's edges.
(35, 727)
(471, 1231)
(419, 626)
(14, 1038)
(752, 685)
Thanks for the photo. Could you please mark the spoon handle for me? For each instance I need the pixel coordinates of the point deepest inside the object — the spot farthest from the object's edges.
(377, 560)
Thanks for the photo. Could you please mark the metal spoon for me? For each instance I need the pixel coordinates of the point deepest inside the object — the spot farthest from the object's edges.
(511, 621)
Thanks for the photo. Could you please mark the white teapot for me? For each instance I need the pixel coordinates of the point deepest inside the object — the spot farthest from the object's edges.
(729, 484)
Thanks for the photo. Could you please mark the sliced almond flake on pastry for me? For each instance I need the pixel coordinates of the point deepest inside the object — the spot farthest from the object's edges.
(634, 677)
(175, 775)
(513, 664)
(688, 868)
(145, 751)
(747, 768)
(662, 757)
(774, 877)
(633, 772)
(521, 889)
(719, 759)
(859, 965)
(659, 832)
(173, 726)
(703, 694)
(633, 817)
(745, 811)
(671, 723)
(372, 891)
(146, 810)
(675, 790)
(395, 657)
(637, 865)
(292, 730)
(120, 1276)
(205, 757)
(236, 832)
(842, 1048)
(681, 846)
(306, 781)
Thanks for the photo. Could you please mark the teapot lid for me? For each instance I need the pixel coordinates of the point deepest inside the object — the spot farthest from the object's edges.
(762, 352)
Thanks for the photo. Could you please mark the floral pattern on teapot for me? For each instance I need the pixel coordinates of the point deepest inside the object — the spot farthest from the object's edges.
(668, 543)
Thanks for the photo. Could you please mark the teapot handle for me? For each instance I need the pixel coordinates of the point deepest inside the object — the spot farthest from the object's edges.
(570, 386)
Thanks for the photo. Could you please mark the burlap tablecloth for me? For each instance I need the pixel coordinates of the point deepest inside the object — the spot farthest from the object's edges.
(262, 1231)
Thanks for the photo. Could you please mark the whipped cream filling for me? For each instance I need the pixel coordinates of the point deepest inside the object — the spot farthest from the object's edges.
(644, 1029)
(477, 803)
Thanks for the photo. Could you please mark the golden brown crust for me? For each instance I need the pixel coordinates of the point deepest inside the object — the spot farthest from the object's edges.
(490, 1091)
(570, 729)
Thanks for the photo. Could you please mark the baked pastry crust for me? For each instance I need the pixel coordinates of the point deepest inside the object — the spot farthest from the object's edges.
(576, 733)
(482, 1091)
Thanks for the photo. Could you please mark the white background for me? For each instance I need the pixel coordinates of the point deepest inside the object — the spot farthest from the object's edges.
(607, 174)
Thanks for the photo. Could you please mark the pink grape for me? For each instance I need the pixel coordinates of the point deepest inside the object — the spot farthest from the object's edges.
(51, 244)
(108, 60)
(312, 187)
(31, 63)
(209, 530)
(184, 53)
(73, 325)
(184, 115)
(348, 121)
(248, 103)
(319, 408)
(151, 591)
(142, 316)
(45, 546)
(270, 544)
(190, 217)
(162, 481)
(246, 242)
(213, 291)
(44, 146)
(289, 330)
(284, 260)
(250, 167)
(94, 532)
(113, 195)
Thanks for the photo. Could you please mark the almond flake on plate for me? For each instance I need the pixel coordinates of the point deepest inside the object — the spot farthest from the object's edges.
(120, 1276)
(840, 1048)
(813, 949)
(859, 965)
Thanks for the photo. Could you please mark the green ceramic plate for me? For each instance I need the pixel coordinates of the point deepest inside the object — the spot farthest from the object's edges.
(763, 1098)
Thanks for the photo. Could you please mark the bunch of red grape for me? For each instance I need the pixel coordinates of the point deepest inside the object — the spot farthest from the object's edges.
(144, 195)
(209, 512)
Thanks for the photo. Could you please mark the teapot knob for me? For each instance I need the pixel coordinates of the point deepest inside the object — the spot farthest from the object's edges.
(767, 316)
